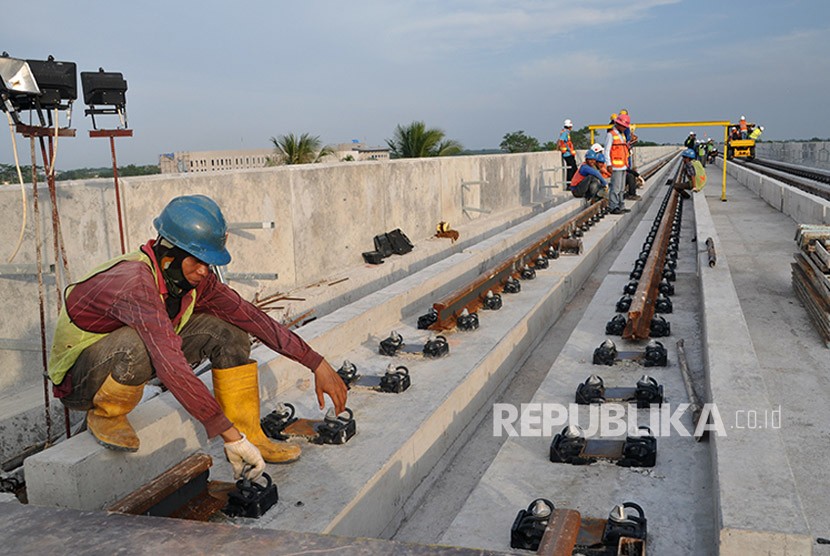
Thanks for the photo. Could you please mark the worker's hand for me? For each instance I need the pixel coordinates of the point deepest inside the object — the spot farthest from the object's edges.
(327, 381)
(242, 453)
(640, 181)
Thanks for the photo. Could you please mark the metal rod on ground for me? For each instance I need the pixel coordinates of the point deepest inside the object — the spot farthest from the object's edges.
(710, 248)
(697, 407)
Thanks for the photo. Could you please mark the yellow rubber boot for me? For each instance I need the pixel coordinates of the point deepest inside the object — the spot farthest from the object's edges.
(237, 391)
(107, 420)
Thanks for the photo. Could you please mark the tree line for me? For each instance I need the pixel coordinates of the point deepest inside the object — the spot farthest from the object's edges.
(8, 173)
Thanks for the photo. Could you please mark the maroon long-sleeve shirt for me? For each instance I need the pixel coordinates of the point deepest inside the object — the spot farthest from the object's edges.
(128, 295)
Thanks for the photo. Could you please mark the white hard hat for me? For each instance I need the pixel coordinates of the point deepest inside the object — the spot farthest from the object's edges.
(568, 123)
(597, 148)
(691, 133)
(761, 127)
(743, 117)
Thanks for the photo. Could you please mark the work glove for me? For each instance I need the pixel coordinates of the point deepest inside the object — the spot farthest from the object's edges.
(242, 454)
(640, 181)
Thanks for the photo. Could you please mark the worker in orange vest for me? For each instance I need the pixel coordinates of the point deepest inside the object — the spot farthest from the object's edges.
(616, 155)
(566, 148)
(743, 127)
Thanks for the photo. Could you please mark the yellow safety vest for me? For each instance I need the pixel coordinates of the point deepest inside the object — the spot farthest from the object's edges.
(70, 340)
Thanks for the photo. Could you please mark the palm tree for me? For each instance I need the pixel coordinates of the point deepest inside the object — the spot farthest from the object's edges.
(416, 141)
(303, 149)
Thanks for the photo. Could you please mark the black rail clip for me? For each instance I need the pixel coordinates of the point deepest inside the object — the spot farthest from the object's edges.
(616, 325)
(552, 252)
(251, 499)
(530, 524)
(348, 372)
(396, 379)
(656, 355)
(639, 450)
(660, 327)
(336, 428)
(467, 321)
(606, 353)
(275, 422)
(391, 345)
(427, 320)
(622, 523)
(512, 286)
(541, 262)
(436, 347)
(624, 303)
(527, 273)
(492, 301)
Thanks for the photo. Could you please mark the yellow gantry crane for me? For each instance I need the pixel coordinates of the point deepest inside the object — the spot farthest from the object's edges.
(707, 123)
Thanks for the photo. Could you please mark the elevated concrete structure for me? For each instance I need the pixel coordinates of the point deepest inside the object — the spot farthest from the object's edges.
(815, 154)
(324, 215)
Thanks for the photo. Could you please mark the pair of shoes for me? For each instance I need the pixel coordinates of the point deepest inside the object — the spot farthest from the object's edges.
(620, 210)
(633, 197)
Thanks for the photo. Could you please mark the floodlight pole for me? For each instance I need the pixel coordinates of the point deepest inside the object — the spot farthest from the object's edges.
(40, 132)
(112, 134)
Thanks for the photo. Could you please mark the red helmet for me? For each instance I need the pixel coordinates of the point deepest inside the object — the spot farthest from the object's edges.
(624, 120)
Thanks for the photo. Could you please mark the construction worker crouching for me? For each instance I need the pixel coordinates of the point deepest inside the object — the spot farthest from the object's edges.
(692, 174)
(160, 309)
(588, 181)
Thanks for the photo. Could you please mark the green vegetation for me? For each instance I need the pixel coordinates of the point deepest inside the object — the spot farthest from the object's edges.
(518, 142)
(418, 141)
(293, 149)
(8, 173)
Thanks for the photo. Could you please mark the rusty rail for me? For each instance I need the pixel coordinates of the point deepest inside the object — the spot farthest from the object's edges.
(470, 296)
(642, 307)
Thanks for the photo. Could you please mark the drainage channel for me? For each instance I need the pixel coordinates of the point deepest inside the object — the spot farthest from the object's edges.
(675, 494)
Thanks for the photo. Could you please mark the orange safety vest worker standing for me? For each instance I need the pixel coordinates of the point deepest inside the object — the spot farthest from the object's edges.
(617, 154)
(742, 123)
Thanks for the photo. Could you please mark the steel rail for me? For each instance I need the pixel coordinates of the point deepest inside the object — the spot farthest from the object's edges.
(638, 326)
(790, 176)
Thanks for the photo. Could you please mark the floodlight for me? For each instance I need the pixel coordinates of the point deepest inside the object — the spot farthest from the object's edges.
(105, 89)
(58, 83)
(16, 81)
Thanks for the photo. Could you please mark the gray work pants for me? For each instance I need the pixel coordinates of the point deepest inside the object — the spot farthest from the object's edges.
(122, 354)
(616, 189)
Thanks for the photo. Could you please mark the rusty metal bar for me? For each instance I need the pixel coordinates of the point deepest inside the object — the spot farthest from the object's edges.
(561, 533)
(469, 296)
(710, 248)
(641, 312)
(140, 501)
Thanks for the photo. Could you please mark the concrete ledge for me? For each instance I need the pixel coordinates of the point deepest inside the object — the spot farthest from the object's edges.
(757, 509)
(799, 205)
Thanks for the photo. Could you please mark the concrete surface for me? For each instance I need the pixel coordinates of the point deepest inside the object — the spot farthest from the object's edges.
(792, 361)
(676, 494)
(756, 501)
(28, 530)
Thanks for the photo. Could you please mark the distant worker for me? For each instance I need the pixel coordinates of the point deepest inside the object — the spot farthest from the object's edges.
(756, 133)
(711, 150)
(742, 125)
(734, 134)
(692, 174)
(616, 156)
(691, 140)
(566, 147)
(588, 182)
(700, 151)
(159, 310)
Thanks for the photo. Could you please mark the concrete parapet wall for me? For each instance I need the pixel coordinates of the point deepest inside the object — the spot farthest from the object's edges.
(757, 509)
(805, 153)
(799, 205)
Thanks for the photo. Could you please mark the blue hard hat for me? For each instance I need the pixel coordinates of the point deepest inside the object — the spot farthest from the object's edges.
(195, 224)
(590, 155)
(600, 157)
(688, 153)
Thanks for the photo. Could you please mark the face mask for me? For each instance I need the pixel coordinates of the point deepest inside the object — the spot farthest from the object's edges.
(170, 260)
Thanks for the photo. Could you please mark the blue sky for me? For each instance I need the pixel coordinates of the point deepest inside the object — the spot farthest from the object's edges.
(228, 75)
